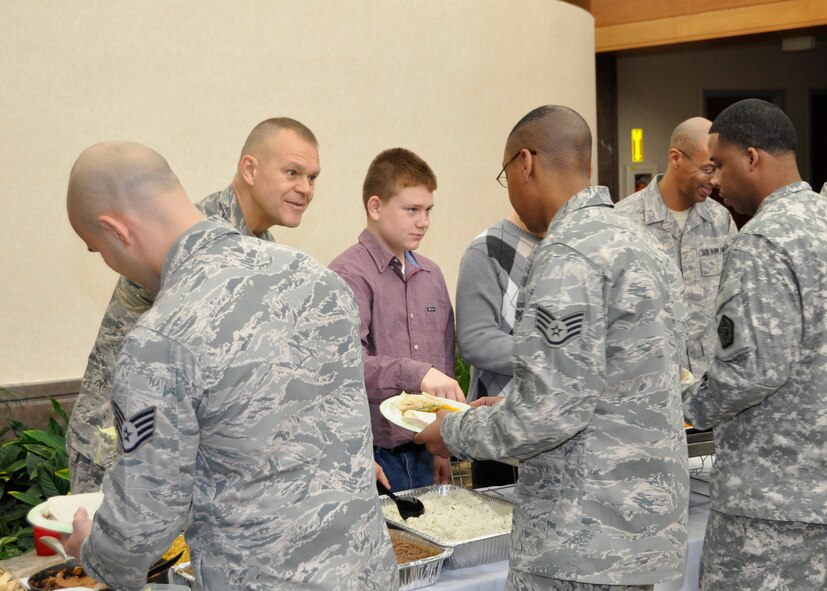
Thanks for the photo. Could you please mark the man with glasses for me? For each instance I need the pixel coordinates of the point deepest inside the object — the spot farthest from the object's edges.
(595, 413)
(692, 228)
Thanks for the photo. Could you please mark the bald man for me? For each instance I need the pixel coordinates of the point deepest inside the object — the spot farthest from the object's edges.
(595, 411)
(273, 186)
(238, 397)
(675, 207)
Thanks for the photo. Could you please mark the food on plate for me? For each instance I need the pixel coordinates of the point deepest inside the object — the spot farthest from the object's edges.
(63, 577)
(8, 583)
(456, 516)
(408, 550)
(423, 403)
(179, 544)
(419, 418)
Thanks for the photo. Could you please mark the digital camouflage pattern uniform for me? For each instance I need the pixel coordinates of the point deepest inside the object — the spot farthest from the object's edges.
(765, 396)
(242, 416)
(698, 250)
(595, 413)
(90, 450)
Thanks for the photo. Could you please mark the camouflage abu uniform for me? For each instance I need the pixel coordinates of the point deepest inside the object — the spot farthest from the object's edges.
(240, 394)
(90, 451)
(764, 393)
(698, 250)
(595, 413)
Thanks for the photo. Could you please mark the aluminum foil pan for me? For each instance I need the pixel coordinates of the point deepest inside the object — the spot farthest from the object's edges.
(181, 574)
(470, 552)
(425, 571)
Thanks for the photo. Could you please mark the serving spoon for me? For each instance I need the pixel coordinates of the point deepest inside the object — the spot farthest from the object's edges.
(409, 507)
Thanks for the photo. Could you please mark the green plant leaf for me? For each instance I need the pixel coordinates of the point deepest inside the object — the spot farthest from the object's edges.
(47, 482)
(11, 469)
(64, 474)
(8, 454)
(59, 410)
(26, 498)
(50, 440)
(32, 463)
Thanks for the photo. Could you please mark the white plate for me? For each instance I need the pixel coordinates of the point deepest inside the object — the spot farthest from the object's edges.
(62, 508)
(390, 410)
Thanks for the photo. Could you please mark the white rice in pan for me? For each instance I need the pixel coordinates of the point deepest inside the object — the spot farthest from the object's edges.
(459, 515)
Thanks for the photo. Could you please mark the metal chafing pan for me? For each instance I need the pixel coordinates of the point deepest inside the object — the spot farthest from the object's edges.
(466, 552)
(422, 572)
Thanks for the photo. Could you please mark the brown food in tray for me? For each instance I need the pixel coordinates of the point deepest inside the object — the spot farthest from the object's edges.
(407, 550)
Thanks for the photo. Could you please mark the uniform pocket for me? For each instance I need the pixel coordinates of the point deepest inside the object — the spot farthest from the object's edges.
(711, 265)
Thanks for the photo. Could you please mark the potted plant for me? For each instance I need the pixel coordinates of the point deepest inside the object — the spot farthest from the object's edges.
(33, 467)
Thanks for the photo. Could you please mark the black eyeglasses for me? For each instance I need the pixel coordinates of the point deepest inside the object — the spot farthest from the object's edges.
(502, 178)
(707, 170)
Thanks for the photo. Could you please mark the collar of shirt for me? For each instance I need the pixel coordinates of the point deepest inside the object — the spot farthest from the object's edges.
(225, 205)
(382, 255)
(588, 197)
(782, 192)
(655, 210)
(196, 238)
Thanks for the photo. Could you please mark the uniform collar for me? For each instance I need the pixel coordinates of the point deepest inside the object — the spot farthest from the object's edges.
(228, 208)
(589, 197)
(655, 210)
(783, 192)
(382, 255)
(196, 238)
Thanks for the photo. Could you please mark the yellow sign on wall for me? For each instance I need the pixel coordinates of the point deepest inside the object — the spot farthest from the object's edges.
(637, 145)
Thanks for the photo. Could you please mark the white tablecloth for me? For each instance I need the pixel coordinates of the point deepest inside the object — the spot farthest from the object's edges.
(491, 577)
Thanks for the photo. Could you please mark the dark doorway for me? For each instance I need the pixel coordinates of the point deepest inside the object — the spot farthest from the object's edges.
(716, 101)
(818, 138)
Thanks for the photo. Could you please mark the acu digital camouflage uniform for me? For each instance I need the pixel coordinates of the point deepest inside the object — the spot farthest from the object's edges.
(239, 398)
(90, 450)
(765, 390)
(698, 250)
(595, 413)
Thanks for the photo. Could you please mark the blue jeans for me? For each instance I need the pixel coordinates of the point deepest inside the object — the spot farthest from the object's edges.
(406, 470)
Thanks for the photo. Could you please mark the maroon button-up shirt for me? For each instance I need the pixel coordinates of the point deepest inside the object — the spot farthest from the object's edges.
(407, 325)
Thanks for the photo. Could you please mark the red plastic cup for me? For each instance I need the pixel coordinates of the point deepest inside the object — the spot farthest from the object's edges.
(40, 548)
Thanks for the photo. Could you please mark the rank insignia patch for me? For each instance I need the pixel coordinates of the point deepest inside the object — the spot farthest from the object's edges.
(726, 331)
(132, 432)
(558, 331)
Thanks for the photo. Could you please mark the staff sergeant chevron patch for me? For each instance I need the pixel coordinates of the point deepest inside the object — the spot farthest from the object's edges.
(558, 331)
(134, 431)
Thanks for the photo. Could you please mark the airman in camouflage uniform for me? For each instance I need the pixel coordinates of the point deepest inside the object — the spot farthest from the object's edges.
(89, 445)
(765, 390)
(595, 414)
(240, 408)
(697, 246)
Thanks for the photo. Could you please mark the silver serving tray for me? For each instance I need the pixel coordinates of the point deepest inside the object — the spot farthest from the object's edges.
(425, 571)
(471, 552)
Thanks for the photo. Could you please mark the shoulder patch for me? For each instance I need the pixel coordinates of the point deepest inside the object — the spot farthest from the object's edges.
(558, 331)
(135, 430)
(726, 331)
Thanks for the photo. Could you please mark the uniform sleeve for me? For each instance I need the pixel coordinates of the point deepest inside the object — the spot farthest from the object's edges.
(482, 341)
(92, 411)
(385, 376)
(147, 493)
(759, 321)
(559, 367)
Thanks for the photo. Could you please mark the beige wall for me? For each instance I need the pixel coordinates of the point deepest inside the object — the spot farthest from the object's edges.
(659, 90)
(445, 79)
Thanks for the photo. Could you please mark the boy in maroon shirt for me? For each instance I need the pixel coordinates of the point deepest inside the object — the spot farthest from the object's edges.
(407, 323)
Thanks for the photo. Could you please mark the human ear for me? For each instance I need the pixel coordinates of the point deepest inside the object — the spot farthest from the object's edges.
(248, 167)
(752, 158)
(374, 207)
(115, 228)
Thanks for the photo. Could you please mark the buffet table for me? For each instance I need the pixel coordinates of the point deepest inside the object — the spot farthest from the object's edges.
(491, 577)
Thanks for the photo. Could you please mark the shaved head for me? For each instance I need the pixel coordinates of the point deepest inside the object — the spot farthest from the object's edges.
(691, 135)
(117, 176)
(259, 138)
(560, 133)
